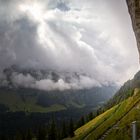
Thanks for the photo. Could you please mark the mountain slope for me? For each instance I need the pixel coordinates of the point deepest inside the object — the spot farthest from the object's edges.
(33, 100)
(14, 101)
(125, 91)
(114, 122)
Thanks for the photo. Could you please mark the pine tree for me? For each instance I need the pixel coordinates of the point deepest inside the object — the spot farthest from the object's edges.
(71, 128)
(52, 131)
(23, 136)
(64, 130)
(81, 122)
(29, 135)
(90, 116)
(3, 137)
(18, 136)
(59, 135)
(41, 134)
(98, 112)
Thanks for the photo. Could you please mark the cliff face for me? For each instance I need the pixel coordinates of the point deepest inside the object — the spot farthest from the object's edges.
(134, 10)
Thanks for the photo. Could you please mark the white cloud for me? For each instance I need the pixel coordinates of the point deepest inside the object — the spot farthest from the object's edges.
(28, 81)
(91, 37)
(22, 80)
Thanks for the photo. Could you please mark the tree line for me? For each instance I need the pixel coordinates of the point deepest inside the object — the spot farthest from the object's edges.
(49, 132)
(52, 131)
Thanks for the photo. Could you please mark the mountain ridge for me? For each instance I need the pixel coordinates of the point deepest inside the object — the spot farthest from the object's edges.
(125, 91)
(112, 119)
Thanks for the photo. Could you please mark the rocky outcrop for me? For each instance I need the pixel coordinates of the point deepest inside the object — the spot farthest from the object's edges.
(134, 10)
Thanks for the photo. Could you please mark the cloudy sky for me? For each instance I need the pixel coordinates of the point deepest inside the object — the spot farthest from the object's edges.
(93, 37)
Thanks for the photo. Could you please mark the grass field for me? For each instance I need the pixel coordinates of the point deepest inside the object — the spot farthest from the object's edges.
(124, 113)
(15, 103)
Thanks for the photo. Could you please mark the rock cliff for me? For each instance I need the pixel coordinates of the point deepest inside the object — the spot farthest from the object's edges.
(134, 10)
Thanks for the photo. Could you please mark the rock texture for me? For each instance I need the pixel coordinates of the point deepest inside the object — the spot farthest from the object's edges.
(134, 10)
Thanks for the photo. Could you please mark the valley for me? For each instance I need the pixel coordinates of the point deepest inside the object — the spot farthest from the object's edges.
(62, 68)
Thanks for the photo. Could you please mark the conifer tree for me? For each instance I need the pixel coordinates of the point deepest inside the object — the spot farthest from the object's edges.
(64, 130)
(42, 133)
(3, 137)
(81, 122)
(29, 135)
(90, 116)
(71, 128)
(18, 136)
(52, 131)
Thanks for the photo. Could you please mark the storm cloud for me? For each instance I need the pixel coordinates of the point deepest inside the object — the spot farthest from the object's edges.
(93, 38)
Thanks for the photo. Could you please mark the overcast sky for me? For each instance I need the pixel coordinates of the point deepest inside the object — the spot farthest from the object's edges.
(94, 37)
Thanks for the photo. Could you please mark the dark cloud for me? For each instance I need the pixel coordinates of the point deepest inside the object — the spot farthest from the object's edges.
(62, 6)
(97, 40)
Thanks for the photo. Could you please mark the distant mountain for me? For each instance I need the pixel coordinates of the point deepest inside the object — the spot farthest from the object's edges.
(33, 100)
(17, 92)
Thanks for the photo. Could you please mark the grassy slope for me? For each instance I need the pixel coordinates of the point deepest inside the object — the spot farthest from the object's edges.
(124, 130)
(124, 111)
(15, 103)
